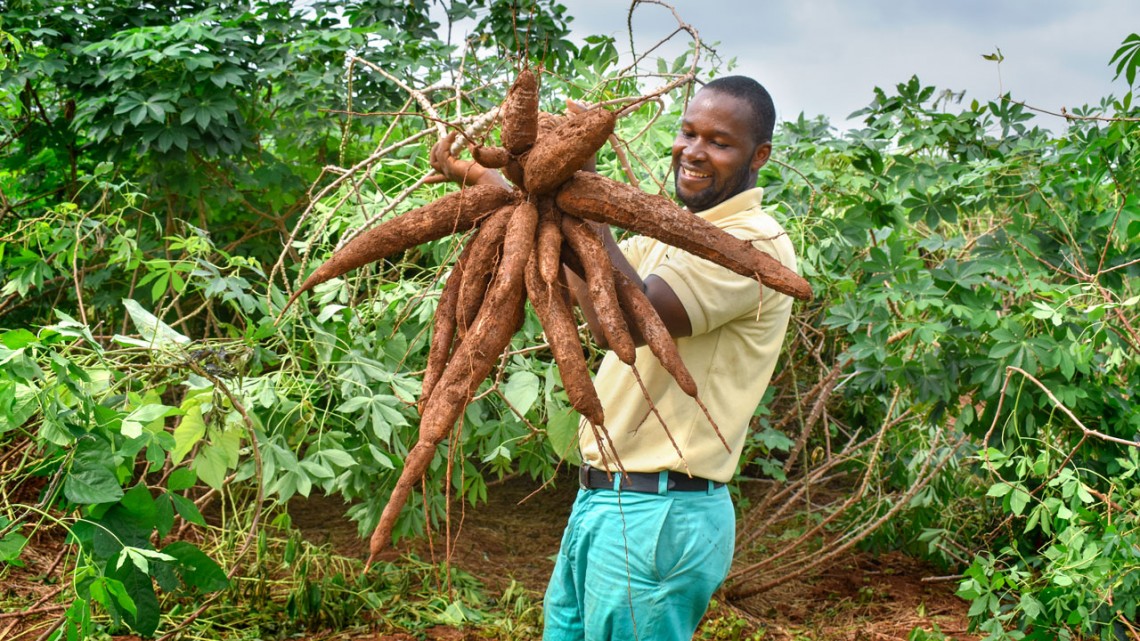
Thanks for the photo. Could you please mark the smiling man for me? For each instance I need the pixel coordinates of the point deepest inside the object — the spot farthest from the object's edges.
(645, 549)
(649, 541)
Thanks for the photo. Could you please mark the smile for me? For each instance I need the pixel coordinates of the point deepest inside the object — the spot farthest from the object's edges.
(695, 175)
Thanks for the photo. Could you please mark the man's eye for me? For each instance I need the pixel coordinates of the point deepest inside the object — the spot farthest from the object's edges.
(720, 145)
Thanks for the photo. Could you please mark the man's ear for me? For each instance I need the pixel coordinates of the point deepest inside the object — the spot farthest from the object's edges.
(760, 156)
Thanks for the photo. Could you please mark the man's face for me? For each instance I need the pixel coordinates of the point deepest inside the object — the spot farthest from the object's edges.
(715, 155)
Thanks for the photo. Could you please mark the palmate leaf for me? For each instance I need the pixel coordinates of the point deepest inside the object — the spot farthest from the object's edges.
(1127, 58)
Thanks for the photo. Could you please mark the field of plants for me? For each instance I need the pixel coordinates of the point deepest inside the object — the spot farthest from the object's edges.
(959, 395)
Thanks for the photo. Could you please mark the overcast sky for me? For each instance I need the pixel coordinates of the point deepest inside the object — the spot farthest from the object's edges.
(826, 56)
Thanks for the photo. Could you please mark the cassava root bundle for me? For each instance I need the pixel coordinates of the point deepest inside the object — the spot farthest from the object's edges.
(522, 238)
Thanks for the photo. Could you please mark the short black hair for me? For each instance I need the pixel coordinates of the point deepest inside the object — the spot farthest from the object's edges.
(753, 93)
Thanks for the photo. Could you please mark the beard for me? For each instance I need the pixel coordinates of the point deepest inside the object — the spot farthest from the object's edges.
(715, 193)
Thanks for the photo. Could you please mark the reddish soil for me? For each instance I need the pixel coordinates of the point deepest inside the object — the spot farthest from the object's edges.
(515, 535)
(517, 532)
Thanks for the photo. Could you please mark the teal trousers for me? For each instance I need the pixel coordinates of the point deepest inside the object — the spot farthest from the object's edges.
(637, 566)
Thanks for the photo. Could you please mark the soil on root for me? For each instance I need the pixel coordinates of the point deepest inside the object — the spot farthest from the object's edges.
(515, 535)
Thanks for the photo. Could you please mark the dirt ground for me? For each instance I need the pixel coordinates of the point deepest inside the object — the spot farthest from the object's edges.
(516, 534)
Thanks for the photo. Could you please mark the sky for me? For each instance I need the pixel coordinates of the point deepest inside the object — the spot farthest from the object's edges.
(824, 57)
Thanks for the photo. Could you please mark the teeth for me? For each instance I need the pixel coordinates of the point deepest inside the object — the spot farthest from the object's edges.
(693, 174)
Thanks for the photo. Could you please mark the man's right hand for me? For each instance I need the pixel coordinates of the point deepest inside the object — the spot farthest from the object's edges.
(452, 169)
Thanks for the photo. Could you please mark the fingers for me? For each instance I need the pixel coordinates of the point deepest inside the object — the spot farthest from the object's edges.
(441, 153)
(448, 166)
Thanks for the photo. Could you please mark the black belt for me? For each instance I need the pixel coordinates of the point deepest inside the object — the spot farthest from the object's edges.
(591, 478)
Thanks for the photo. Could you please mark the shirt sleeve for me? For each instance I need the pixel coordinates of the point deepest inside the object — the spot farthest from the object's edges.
(631, 248)
(713, 295)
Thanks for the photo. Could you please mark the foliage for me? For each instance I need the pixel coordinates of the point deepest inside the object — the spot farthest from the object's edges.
(979, 278)
(1127, 58)
(726, 626)
(218, 115)
(154, 154)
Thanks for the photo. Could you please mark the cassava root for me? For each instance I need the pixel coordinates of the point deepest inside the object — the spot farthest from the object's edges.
(522, 240)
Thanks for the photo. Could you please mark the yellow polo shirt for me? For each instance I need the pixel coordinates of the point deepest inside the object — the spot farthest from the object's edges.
(731, 354)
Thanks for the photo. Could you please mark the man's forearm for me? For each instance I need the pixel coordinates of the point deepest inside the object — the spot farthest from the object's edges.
(620, 262)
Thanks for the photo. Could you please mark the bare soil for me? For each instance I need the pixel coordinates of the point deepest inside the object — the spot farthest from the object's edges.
(516, 534)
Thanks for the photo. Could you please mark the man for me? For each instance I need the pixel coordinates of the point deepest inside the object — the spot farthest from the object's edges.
(643, 552)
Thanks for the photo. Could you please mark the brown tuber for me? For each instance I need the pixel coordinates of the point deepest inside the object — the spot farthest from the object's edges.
(450, 214)
(593, 197)
(520, 114)
(523, 240)
(563, 151)
(489, 335)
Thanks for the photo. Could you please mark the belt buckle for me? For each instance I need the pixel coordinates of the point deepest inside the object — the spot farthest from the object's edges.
(584, 476)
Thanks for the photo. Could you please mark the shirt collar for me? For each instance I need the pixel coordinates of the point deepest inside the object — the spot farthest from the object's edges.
(738, 203)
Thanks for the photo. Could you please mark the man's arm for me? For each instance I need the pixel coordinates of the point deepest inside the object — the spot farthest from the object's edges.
(464, 172)
(660, 295)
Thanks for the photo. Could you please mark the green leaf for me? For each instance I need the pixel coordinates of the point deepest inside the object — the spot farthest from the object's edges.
(17, 339)
(154, 332)
(138, 114)
(140, 588)
(158, 288)
(385, 416)
(190, 430)
(115, 588)
(979, 606)
(353, 404)
(217, 457)
(1001, 350)
(211, 464)
(999, 489)
(380, 457)
(338, 457)
(521, 391)
(197, 571)
(317, 469)
(562, 430)
(11, 546)
(1083, 493)
(187, 510)
(1127, 58)
(18, 403)
(140, 558)
(1030, 606)
(164, 515)
(1018, 500)
(181, 479)
(132, 425)
(90, 485)
(140, 504)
